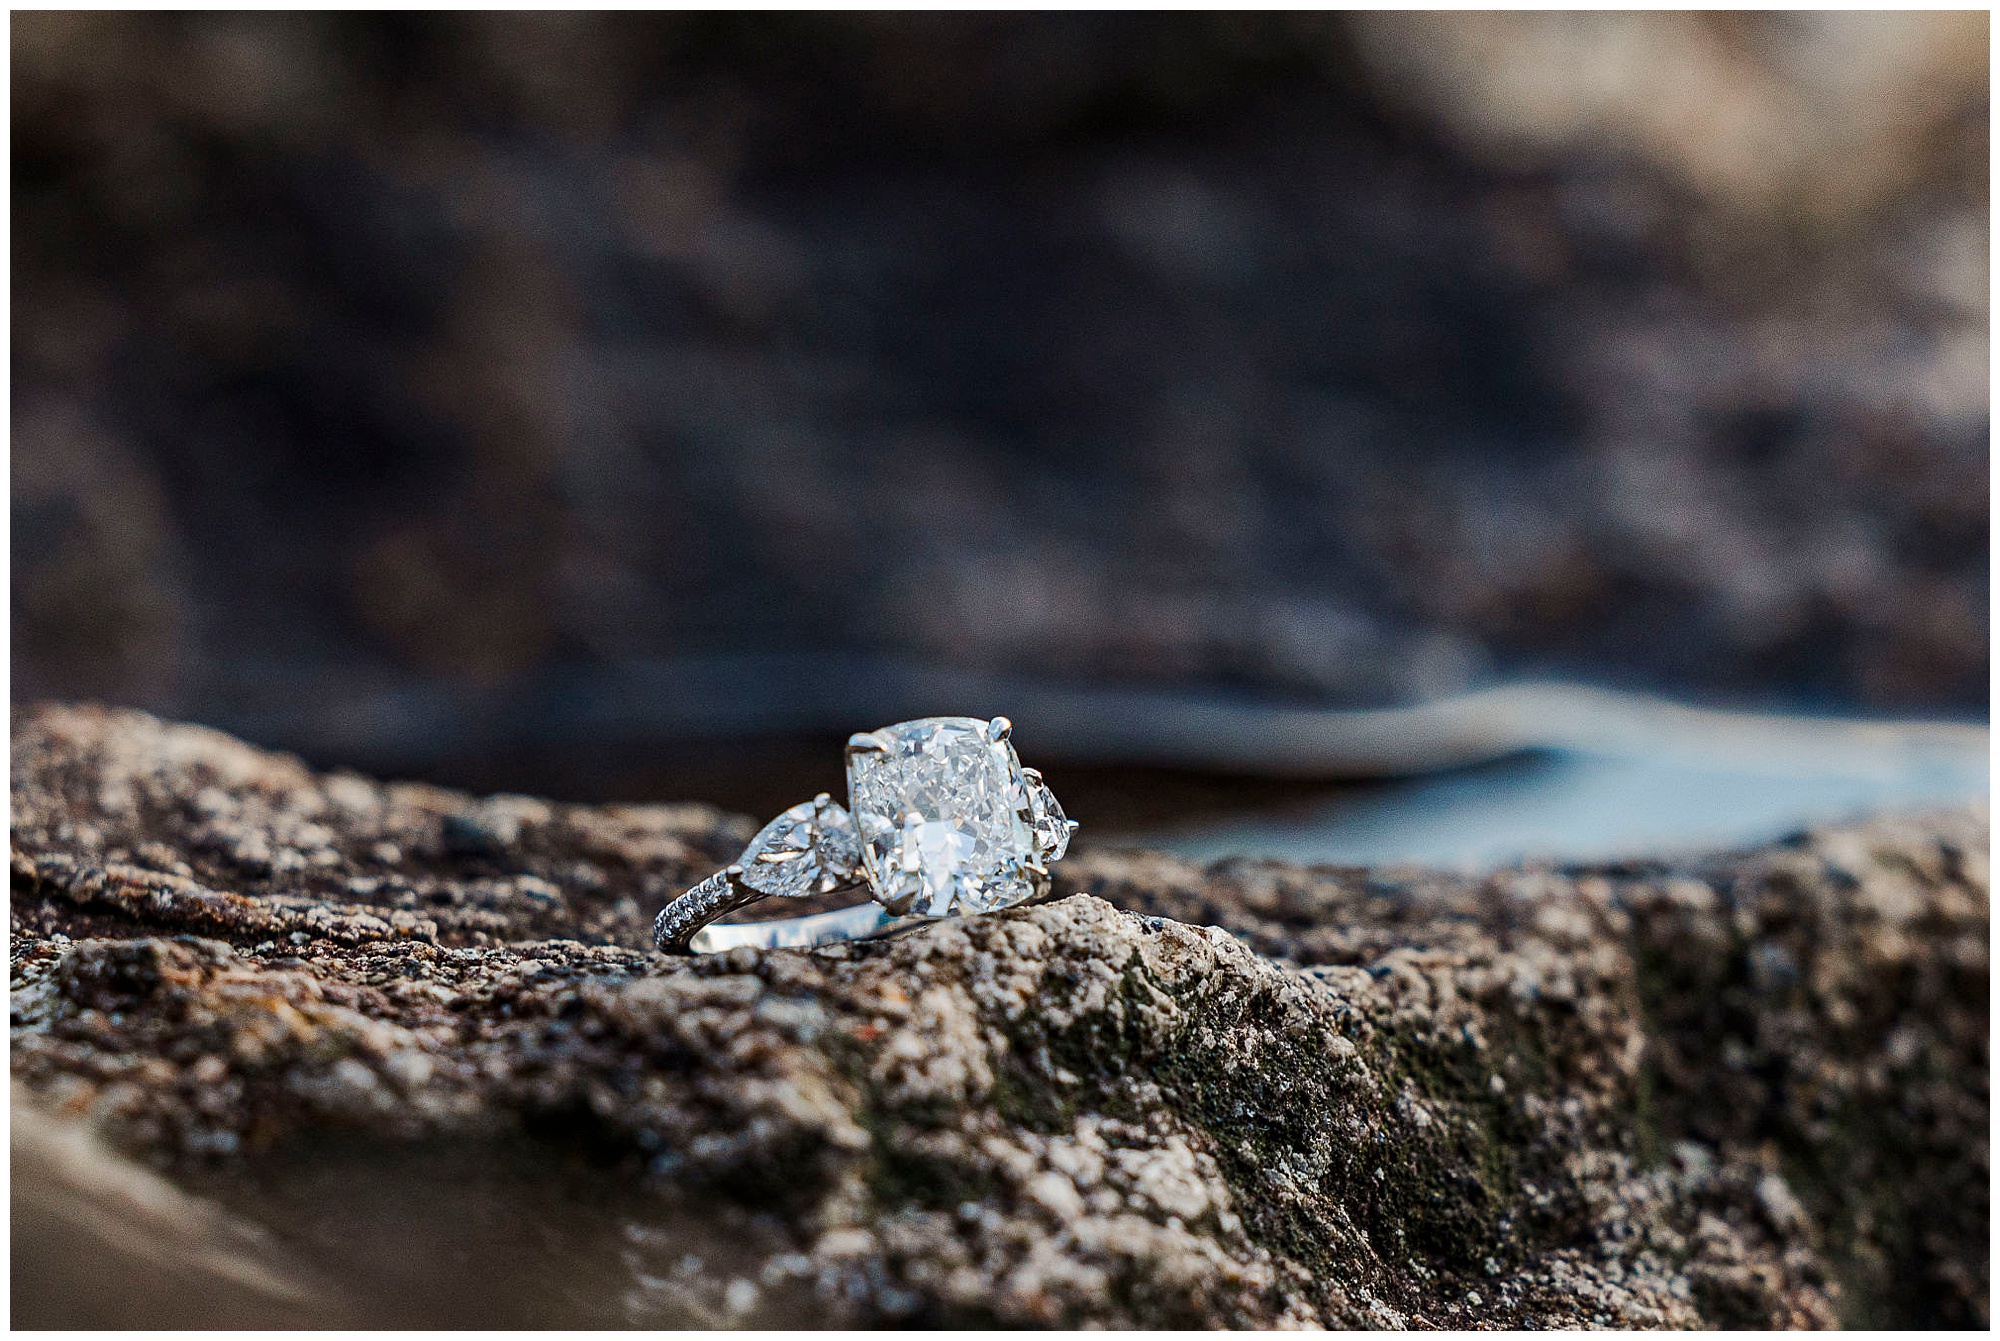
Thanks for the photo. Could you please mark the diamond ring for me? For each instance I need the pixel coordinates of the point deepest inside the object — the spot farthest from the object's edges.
(941, 821)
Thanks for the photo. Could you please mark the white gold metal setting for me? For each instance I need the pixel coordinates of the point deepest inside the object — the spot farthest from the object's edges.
(941, 821)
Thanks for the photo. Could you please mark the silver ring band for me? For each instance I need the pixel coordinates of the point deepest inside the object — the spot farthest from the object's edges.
(687, 926)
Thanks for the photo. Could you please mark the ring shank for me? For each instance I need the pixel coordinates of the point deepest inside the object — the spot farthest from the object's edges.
(688, 925)
(845, 924)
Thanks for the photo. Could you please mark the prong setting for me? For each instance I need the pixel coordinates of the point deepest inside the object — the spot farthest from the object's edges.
(942, 821)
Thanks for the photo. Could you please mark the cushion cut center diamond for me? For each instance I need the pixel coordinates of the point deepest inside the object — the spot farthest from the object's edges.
(937, 810)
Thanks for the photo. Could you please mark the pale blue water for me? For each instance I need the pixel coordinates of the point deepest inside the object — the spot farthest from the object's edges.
(1564, 771)
(1576, 806)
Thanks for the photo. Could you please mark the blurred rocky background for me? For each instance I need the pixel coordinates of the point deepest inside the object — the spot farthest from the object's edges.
(385, 384)
(1347, 360)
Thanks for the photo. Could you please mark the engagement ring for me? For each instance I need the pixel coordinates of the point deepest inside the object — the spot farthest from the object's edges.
(941, 820)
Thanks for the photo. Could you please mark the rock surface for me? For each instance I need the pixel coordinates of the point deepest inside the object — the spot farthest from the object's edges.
(417, 1039)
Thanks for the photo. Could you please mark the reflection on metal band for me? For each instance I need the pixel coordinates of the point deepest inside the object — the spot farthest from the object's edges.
(792, 933)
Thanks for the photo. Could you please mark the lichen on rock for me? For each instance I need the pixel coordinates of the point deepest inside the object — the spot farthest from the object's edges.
(1749, 1091)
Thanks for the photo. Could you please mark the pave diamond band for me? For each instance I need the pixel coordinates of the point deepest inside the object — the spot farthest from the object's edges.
(942, 820)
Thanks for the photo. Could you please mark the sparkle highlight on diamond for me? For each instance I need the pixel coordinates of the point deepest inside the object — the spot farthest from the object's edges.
(1046, 821)
(937, 807)
(808, 850)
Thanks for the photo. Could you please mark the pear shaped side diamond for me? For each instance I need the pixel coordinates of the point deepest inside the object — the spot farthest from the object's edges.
(794, 855)
(838, 845)
(1046, 821)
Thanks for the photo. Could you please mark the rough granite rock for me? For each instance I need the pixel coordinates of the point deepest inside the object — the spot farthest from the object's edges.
(361, 1020)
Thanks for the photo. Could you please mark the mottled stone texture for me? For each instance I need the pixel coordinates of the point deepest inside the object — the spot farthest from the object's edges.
(1746, 1092)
